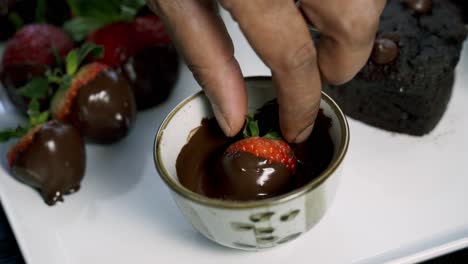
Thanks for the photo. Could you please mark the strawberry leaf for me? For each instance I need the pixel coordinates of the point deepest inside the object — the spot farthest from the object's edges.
(71, 62)
(35, 89)
(77, 56)
(80, 27)
(272, 135)
(8, 134)
(129, 8)
(250, 127)
(33, 108)
(40, 11)
(91, 15)
(16, 20)
(92, 49)
(58, 60)
(36, 117)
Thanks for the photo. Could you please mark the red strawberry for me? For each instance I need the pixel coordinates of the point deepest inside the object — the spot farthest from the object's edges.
(149, 32)
(29, 54)
(51, 158)
(117, 40)
(34, 43)
(273, 150)
(256, 167)
(99, 102)
(152, 71)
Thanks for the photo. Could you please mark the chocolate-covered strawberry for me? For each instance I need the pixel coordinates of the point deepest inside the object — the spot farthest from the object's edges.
(99, 102)
(142, 50)
(29, 54)
(49, 155)
(51, 158)
(256, 167)
(153, 69)
(152, 73)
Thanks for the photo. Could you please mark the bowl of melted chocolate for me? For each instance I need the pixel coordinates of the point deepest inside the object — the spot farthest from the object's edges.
(252, 191)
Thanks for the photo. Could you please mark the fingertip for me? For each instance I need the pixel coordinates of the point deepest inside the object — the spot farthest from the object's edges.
(304, 134)
(230, 124)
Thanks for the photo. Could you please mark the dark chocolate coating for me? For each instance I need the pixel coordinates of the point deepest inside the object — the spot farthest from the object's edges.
(54, 162)
(16, 76)
(203, 168)
(104, 109)
(385, 51)
(419, 6)
(152, 73)
(248, 177)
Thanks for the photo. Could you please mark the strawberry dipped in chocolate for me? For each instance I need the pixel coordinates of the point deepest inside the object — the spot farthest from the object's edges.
(256, 167)
(142, 51)
(153, 69)
(29, 54)
(49, 155)
(94, 98)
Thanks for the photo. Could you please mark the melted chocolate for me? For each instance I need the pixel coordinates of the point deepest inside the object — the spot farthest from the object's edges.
(104, 109)
(202, 167)
(16, 76)
(152, 73)
(385, 51)
(54, 162)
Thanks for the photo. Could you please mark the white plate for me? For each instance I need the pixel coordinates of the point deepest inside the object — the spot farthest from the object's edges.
(402, 198)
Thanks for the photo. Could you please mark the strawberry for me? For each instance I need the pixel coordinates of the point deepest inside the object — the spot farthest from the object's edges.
(152, 71)
(117, 40)
(149, 32)
(256, 167)
(273, 150)
(99, 102)
(34, 44)
(28, 55)
(51, 158)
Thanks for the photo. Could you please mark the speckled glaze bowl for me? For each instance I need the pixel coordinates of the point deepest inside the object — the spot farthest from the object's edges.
(251, 225)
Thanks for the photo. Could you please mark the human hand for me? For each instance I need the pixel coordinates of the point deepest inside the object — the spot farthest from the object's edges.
(278, 33)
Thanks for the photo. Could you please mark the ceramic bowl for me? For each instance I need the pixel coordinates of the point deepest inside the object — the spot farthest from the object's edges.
(252, 225)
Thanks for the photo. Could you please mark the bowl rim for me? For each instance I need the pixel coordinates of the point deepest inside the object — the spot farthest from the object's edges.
(176, 187)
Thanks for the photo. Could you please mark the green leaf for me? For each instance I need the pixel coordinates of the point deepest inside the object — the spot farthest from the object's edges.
(36, 117)
(251, 127)
(16, 20)
(39, 119)
(92, 49)
(37, 88)
(66, 82)
(80, 27)
(272, 135)
(129, 8)
(71, 62)
(104, 11)
(33, 108)
(77, 56)
(40, 11)
(57, 58)
(54, 76)
(8, 134)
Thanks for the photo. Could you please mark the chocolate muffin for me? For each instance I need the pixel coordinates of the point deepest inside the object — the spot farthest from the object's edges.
(407, 82)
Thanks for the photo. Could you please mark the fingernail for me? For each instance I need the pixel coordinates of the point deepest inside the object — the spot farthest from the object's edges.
(304, 134)
(221, 120)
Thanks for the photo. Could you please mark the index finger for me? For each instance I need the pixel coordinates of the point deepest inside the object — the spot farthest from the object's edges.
(278, 33)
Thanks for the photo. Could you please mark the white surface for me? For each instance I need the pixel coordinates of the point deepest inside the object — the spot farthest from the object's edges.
(401, 198)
